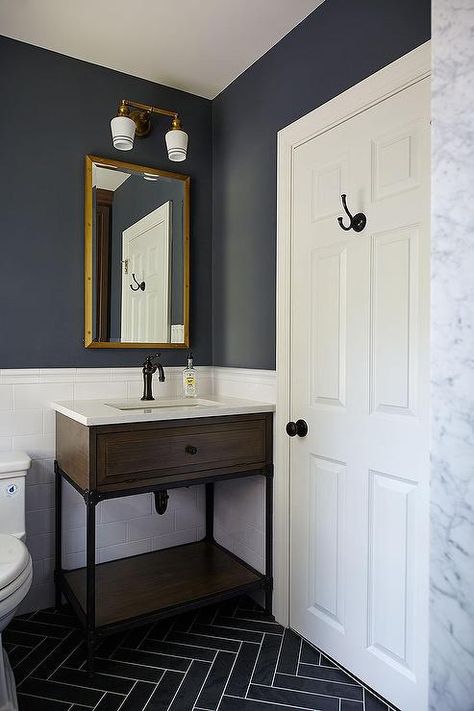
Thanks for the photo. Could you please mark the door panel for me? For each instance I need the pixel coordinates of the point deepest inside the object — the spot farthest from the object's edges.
(360, 365)
(394, 316)
(328, 325)
(391, 515)
(326, 535)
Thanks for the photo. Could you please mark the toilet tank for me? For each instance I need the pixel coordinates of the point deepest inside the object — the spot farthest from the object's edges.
(13, 469)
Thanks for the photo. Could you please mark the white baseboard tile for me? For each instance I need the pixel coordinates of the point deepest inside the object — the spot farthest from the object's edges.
(125, 526)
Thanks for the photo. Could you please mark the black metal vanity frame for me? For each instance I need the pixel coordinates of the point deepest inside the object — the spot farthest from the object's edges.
(92, 497)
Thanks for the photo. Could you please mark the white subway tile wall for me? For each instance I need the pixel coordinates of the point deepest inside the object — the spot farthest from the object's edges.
(239, 522)
(126, 526)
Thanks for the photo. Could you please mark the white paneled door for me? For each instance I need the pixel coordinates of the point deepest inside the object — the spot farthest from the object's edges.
(360, 374)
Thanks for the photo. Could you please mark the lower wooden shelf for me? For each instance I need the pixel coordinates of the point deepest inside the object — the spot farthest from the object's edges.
(152, 582)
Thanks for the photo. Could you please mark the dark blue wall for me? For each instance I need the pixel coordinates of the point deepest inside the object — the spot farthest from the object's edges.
(55, 110)
(338, 45)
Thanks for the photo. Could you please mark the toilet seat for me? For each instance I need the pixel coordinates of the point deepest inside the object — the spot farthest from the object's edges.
(16, 573)
(14, 557)
(16, 586)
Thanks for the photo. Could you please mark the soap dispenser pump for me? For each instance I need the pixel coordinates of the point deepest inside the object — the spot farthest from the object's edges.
(190, 378)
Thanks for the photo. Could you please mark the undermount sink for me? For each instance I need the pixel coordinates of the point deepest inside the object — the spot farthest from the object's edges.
(155, 404)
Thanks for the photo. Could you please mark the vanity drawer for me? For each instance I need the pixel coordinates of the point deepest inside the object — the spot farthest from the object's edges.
(181, 451)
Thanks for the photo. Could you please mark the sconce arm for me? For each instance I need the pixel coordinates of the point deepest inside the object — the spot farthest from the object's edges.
(147, 108)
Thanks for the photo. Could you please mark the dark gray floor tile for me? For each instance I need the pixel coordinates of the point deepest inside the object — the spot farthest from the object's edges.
(134, 638)
(101, 682)
(39, 628)
(109, 702)
(206, 615)
(374, 704)
(160, 630)
(290, 652)
(214, 685)
(229, 607)
(351, 706)
(62, 692)
(243, 670)
(63, 650)
(77, 659)
(257, 615)
(26, 639)
(229, 703)
(254, 626)
(294, 698)
(309, 655)
(184, 622)
(136, 672)
(151, 659)
(17, 654)
(179, 650)
(239, 635)
(30, 703)
(62, 619)
(165, 691)
(319, 686)
(226, 645)
(138, 697)
(328, 673)
(109, 644)
(220, 658)
(326, 662)
(267, 659)
(190, 689)
(32, 660)
(247, 603)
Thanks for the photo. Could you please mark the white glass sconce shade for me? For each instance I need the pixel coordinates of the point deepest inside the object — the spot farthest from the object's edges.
(123, 132)
(176, 144)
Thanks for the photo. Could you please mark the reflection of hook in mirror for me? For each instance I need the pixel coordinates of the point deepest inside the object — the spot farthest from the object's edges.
(357, 222)
(139, 284)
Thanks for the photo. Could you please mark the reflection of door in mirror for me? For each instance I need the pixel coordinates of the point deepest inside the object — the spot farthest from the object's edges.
(103, 200)
(146, 255)
(137, 232)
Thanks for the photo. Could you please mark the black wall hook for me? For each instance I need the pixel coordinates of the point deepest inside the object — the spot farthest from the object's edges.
(139, 285)
(358, 222)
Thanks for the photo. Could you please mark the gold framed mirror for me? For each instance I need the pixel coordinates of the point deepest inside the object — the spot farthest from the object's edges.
(136, 261)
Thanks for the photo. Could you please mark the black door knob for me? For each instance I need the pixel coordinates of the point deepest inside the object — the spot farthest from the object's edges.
(299, 428)
(190, 449)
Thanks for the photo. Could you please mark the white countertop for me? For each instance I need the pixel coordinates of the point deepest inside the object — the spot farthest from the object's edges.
(97, 412)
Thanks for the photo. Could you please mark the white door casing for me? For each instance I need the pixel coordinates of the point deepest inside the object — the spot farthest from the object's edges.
(357, 307)
(146, 250)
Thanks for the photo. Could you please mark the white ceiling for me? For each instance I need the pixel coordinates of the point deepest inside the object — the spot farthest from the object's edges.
(200, 46)
(107, 179)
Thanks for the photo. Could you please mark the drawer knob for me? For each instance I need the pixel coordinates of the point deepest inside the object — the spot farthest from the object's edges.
(191, 450)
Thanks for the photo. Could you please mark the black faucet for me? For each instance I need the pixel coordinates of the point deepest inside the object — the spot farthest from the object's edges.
(148, 369)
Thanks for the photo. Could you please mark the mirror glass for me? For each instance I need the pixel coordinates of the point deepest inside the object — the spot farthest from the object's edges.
(137, 256)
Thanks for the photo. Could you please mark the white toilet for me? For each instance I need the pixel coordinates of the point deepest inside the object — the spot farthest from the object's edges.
(16, 570)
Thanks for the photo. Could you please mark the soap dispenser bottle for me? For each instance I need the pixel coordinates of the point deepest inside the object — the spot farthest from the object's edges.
(190, 378)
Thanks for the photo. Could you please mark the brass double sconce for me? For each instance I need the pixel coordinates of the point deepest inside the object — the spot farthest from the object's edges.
(134, 119)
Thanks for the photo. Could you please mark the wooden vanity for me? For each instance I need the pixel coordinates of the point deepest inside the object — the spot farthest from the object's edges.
(106, 461)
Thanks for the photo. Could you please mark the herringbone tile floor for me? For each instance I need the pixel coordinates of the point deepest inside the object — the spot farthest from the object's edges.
(225, 658)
